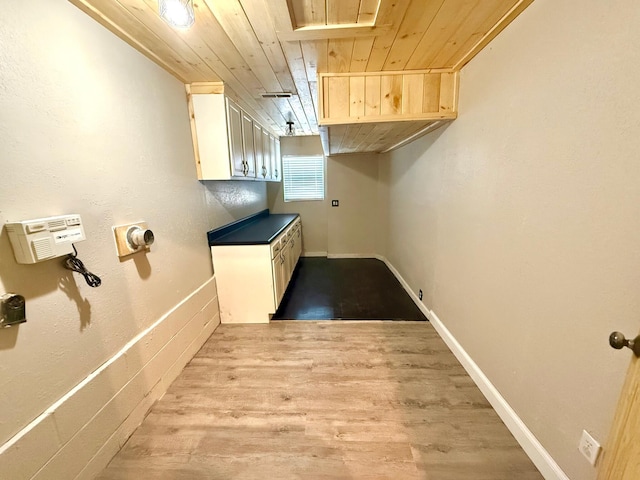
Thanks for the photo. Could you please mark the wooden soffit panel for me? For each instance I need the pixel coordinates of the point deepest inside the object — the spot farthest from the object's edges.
(393, 96)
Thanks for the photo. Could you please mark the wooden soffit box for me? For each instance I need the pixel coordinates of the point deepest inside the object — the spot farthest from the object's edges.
(400, 105)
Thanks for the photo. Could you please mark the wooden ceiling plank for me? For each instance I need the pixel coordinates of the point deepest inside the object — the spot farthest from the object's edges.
(365, 130)
(234, 22)
(314, 53)
(322, 59)
(491, 34)
(477, 24)
(282, 15)
(146, 12)
(349, 143)
(452, 14)
(313, 86)
(390, 12)
(361, 53)
(376, 138)
(265, 33)
(368, 10)
(339, 54)
(342, 11)
(416, 22)
(300, 13)
(308, 13)
(318, 11)
(293, 54)
(120, 22)
(336, 134)
(233, 70)
(430, 127)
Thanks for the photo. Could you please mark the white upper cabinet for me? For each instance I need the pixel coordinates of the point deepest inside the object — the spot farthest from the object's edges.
(228, 143)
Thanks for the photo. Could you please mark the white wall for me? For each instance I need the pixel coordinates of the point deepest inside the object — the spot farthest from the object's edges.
(521, 220)
(90, 126)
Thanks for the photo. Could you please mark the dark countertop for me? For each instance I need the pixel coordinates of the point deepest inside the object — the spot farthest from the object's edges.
(258, 229)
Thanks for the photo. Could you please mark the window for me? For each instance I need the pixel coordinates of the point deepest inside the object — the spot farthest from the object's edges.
(303, 177)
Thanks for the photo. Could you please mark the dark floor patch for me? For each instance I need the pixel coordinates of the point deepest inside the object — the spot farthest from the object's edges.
(345, 289)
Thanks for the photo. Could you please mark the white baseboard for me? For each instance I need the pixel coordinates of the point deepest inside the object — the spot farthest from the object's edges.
(352, 255)
(314, 254)
(543, 461)
(77, 436)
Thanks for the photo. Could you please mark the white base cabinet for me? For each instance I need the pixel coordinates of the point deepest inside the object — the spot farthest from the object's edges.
(252, 279)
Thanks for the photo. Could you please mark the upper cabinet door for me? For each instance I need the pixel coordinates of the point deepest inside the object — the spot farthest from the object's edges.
(234, 121)
(274, 147)
(249, 150)
(257, 143)
(266, 150)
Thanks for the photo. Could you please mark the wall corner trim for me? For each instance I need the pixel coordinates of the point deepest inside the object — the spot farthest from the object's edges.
(543, 461)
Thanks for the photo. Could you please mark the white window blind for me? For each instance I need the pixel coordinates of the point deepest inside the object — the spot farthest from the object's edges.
(303, 177)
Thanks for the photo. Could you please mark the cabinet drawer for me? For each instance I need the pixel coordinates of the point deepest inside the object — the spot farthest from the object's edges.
(275, 247)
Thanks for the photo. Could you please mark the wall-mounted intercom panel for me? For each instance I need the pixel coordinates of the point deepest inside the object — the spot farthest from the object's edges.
(44, 238)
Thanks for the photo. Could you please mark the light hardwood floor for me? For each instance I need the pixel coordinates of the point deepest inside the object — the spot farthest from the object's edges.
(323, 400)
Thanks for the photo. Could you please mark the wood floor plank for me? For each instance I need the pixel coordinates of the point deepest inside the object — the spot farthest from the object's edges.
(323, 400)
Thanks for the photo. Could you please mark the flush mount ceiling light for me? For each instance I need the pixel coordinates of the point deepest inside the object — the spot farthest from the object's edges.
(177, 13)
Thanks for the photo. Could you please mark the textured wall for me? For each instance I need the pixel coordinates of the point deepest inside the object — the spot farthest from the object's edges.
(521, 219)
(358, 225)
(89, 126)
(313, 214)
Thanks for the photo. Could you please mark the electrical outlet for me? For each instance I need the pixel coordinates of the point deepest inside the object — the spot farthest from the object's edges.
(420, 295)
(589, 447)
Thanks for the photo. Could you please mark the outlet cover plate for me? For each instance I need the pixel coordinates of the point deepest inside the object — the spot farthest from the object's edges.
(589, 447)
(123, 247)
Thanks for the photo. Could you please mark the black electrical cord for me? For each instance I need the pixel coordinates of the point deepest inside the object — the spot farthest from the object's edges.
(72, 262)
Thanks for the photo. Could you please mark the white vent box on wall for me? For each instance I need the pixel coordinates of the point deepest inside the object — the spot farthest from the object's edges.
(44, 238)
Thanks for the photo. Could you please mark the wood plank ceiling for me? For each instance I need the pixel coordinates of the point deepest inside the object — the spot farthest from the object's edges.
(260, 46)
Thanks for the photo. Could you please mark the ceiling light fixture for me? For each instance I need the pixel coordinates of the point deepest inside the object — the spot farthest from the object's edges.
(177, 13)
(290, 131)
